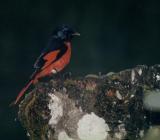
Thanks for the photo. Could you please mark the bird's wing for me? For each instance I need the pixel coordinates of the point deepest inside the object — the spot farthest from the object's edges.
(46, 59)
(49, 55)
(39, 62)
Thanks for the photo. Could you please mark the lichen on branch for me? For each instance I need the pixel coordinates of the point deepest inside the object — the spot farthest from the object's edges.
(103, 107)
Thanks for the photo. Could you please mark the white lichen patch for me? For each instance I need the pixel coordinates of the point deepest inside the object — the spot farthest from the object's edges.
(92, 127)
(157, 77)
(121, 133)
(49, 134)
(118, 135)
(28, 134)
(56, 107)
(132, 76)
(151, 100)
(141, 133)
(118, 95)
(63, 136)
(114, 103)
(126, 101)
(132, 96)
(140, 72)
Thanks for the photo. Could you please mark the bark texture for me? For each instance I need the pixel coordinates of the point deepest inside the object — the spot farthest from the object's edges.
(94, 107)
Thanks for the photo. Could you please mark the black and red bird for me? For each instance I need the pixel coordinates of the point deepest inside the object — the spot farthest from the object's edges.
(53, 58)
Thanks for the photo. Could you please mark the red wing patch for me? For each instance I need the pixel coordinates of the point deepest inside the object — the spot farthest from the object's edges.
(49, 58)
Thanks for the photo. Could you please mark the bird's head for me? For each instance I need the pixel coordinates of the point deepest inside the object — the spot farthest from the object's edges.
(64, 33)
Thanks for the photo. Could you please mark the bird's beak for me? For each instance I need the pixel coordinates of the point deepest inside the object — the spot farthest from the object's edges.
(76, 34)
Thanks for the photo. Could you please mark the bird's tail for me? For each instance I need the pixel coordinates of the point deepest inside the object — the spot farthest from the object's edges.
(22, 92)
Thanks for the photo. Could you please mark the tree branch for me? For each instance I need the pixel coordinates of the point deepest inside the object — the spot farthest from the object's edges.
(105, 107)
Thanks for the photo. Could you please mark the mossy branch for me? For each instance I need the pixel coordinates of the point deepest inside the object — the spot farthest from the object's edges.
(103, 107)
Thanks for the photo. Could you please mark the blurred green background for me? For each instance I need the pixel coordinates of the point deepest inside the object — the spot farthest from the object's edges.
(115, 35)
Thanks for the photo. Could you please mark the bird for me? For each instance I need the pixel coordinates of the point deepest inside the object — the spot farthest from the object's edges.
(54, 57)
